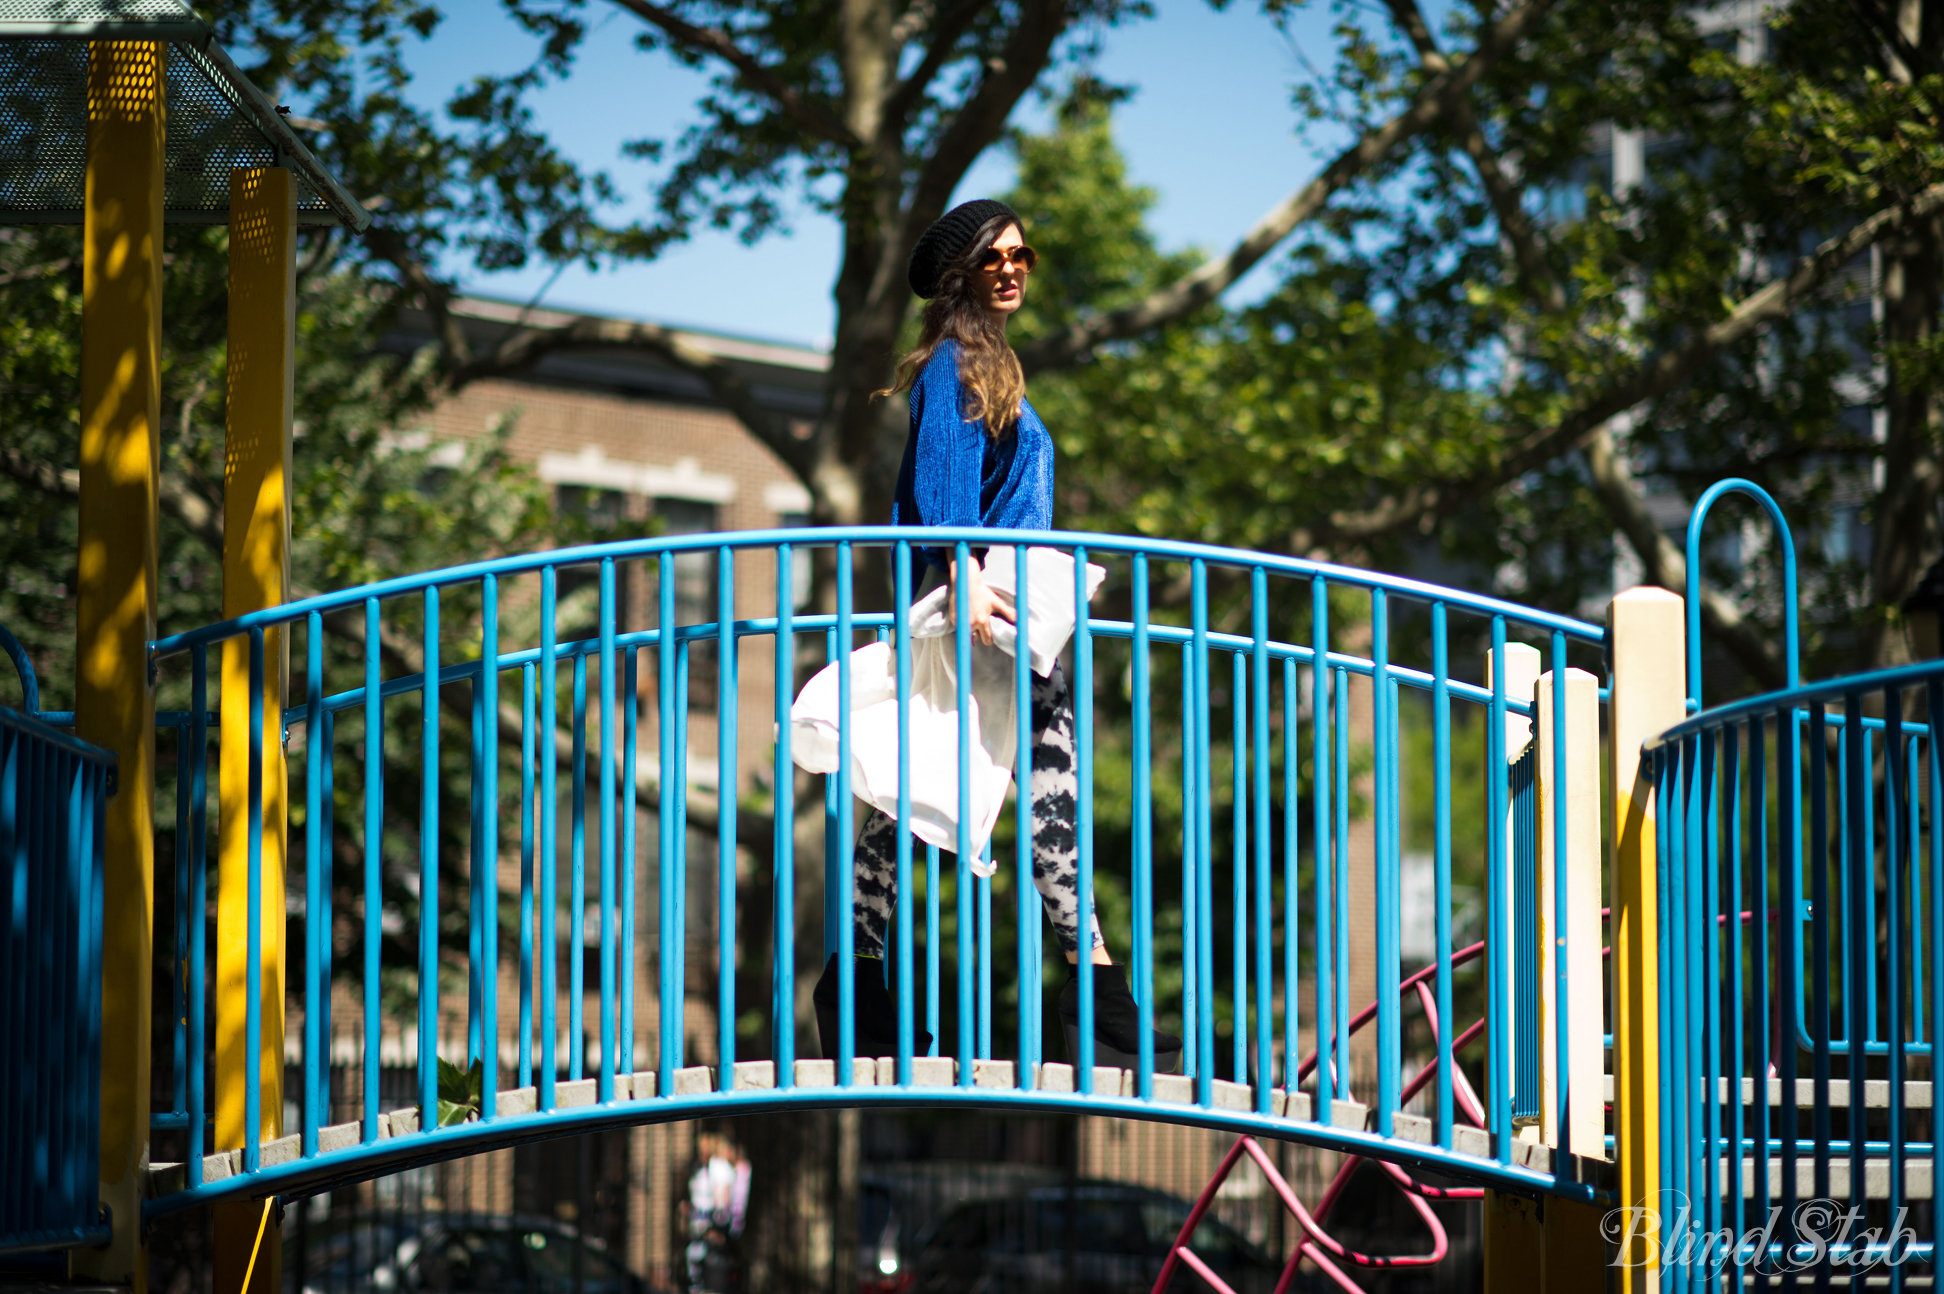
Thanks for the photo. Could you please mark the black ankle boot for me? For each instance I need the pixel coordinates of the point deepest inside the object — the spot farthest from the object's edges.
(874, 1026)
(1117, 1023)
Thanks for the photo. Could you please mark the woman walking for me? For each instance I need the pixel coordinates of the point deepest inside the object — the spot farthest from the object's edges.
(979, 456)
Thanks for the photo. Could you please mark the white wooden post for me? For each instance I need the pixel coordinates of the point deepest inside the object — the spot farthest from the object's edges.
(1578, 799)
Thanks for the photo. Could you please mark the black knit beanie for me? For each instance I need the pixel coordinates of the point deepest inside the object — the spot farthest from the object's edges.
(947, 238)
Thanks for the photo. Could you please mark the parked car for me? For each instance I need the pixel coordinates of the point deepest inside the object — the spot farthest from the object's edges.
(1095, 1238)
(473, 1253)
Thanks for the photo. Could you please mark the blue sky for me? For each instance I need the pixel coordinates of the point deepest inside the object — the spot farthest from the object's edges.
(1210, 128)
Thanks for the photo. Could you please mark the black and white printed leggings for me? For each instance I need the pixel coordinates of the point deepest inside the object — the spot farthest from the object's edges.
(1056, 851)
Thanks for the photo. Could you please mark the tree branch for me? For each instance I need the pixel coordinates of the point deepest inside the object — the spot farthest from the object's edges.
(945, 32)
(1432, 102)
(435, 296)
(1528, 244)
(1667, 566)
(976, 125)
(1639, 382)
(810, 116)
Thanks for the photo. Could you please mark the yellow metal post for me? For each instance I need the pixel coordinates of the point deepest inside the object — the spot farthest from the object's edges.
(256, 575)
(121, 395)
(1646, 636)
(1515, 1245)
(1543, 1246)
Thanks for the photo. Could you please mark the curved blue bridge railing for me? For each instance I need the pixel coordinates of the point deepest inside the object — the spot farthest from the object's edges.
(1803, 869)
(579, 824)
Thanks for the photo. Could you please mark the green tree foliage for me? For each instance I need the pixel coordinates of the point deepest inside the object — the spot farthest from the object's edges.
(1485, 360)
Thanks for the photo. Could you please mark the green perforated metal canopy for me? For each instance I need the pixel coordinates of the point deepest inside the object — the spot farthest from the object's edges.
(217, 120)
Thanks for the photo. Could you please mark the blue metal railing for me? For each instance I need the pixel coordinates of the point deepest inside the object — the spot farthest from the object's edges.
(52, 792)
(1768, 805)
(1282, 943)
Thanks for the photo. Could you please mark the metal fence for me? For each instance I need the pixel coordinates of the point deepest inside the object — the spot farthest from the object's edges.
(1237, 913)
(52, 792)
(1803, 884)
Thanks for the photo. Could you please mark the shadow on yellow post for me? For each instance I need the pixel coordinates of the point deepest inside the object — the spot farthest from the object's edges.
(121, 394)
(256, 575)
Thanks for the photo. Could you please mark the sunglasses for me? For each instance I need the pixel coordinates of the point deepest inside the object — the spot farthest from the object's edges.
(992, 260)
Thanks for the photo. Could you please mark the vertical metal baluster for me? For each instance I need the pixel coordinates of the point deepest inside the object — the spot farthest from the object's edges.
(1321, 838)
(1030, 975)
(606, 826)
(253, 955)
(549, 904)
(1083, 703)
(488, 852)
(726, 770)
(1821, 1023)
(783, 835)
(1766, 977)
(846, 847)
(1735, 981)
(1143, 824)
(577, 885)
(1915, 884)
(1441, 779)
(668, 983)
(1340, 876)
(833, 883)
(984, 904)
(526, 874)
(1858, 832)
(428, 1021)
(625, 958)
(1707, 998)
(1239, 862)
(328, 918)
(315, 878)
(1934, 696)
(1498, 1072)
(962, 857)
(1292, 888)
(932, 945)
(1895, 808)
(1192, 1057)
(901, 639)
(680, 778)
(199, 901)
(1202, 810)
(1265, 897)
(1865, 859)
(179, 964)
(475, 867)
(1384, 724)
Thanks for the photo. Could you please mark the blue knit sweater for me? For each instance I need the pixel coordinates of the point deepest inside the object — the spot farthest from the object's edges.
(954, 474)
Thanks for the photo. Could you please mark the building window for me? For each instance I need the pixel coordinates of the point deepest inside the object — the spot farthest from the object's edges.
(602, 512)
(801, 571)
(695, 588)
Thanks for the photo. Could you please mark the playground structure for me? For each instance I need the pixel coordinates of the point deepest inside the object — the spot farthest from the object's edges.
(1766, 919)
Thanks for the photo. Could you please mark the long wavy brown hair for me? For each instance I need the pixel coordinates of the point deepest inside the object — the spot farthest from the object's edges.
(989, 372)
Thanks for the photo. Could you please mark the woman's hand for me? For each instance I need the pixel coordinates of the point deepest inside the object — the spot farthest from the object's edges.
(981, 603)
